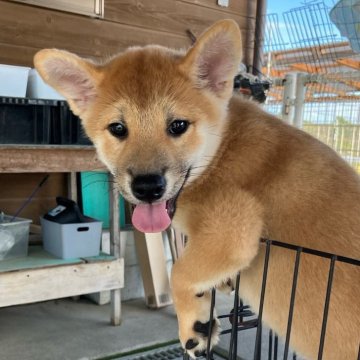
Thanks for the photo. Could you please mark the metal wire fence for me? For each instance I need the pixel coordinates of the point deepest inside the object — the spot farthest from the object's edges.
(306, 40)
(240, 313)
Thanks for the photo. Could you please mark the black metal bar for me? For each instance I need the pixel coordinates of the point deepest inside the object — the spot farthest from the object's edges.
(234, 327)
(270, 344)
(236, 311)
(292, 302)
(257, 352)
(247, 325)
(212, 306)
(28, 200)
(314, 252)
(241, 314)
(276, 343)
(326, 306)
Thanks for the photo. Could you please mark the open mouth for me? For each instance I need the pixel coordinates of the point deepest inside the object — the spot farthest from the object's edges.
(156, 217)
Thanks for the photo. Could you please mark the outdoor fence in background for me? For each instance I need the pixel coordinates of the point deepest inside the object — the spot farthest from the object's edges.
(305, 41)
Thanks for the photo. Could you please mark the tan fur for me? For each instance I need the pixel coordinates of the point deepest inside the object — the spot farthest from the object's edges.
(253, 176)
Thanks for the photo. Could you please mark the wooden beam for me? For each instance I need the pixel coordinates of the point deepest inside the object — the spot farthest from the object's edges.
(33, 285)
(325, 99)
(115, 247)
(351, 63)
(48, 158)
(274, 73)
(355, 84)
(174, 16)
(312, 69)
(318, 87)
(342, 44)
(152, 261)
(85, 36)
(312, 53)
(275, 95)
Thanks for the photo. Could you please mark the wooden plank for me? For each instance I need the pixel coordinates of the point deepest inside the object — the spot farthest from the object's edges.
(29, 286)
(323, 87)
(127, 23)
(313, 69)
(152, 261)
(351, 63)
(102, 257)
(115, 248)
(24, 159)
(115, 316)
(16, 188)
(171, 16)
(17, 55)
(85, 7)
(37, 258)
(241, 7)
(72, 186)
(79, 34)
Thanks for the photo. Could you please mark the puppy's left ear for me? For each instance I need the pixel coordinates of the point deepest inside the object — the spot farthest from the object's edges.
(213, 61)
(74, 78)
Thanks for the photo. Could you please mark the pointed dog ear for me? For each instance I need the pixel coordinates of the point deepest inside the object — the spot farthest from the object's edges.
(213, 61)
(74, 78)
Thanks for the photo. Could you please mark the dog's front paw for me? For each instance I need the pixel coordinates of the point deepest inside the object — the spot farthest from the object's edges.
(195, 341)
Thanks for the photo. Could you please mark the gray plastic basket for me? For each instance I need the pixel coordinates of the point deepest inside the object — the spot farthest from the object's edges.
(68, 241)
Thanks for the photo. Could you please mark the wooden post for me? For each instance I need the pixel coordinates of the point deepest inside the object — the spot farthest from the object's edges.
(152, 262)
(72, 186)
(73, 195)
(115, 249)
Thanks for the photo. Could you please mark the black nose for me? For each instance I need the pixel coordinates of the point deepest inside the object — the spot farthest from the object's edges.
(149, 187)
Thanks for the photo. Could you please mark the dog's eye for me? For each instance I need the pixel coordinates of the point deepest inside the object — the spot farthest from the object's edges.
(178, 127)
(118, 129)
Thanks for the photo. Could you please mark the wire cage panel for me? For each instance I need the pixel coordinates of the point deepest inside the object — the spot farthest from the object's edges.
(267, 345)
(305, 40)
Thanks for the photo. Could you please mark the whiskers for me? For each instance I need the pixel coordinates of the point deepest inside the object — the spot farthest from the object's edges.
(205, 163)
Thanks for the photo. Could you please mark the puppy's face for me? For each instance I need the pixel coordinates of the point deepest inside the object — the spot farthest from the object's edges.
(155, 115)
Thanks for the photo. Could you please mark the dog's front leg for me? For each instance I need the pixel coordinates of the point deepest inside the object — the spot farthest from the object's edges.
(217, 249)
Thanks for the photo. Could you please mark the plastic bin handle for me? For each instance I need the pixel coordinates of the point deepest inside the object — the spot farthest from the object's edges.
(83, 228)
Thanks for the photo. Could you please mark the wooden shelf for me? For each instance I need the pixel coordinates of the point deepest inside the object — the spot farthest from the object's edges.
(38, 258)
(41, 277)
(48, 158)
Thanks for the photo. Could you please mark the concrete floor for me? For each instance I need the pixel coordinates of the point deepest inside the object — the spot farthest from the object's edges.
(80, 330)
(73, 330)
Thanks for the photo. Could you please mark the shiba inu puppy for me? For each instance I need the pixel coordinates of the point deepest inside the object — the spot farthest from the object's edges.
(184, 149)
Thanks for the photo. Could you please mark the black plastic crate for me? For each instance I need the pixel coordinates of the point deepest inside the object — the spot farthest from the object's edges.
(25, 121)
(38, 121)
(68, 131)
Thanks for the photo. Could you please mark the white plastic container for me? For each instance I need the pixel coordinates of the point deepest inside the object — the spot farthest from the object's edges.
(13, 80)
(38, 89)
(14, 237)
(69, 241)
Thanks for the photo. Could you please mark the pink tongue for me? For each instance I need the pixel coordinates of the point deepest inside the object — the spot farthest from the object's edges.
(151, 218)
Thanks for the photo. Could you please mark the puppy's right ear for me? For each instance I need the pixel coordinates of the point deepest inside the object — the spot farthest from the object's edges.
(213, 61)
(74, 78)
